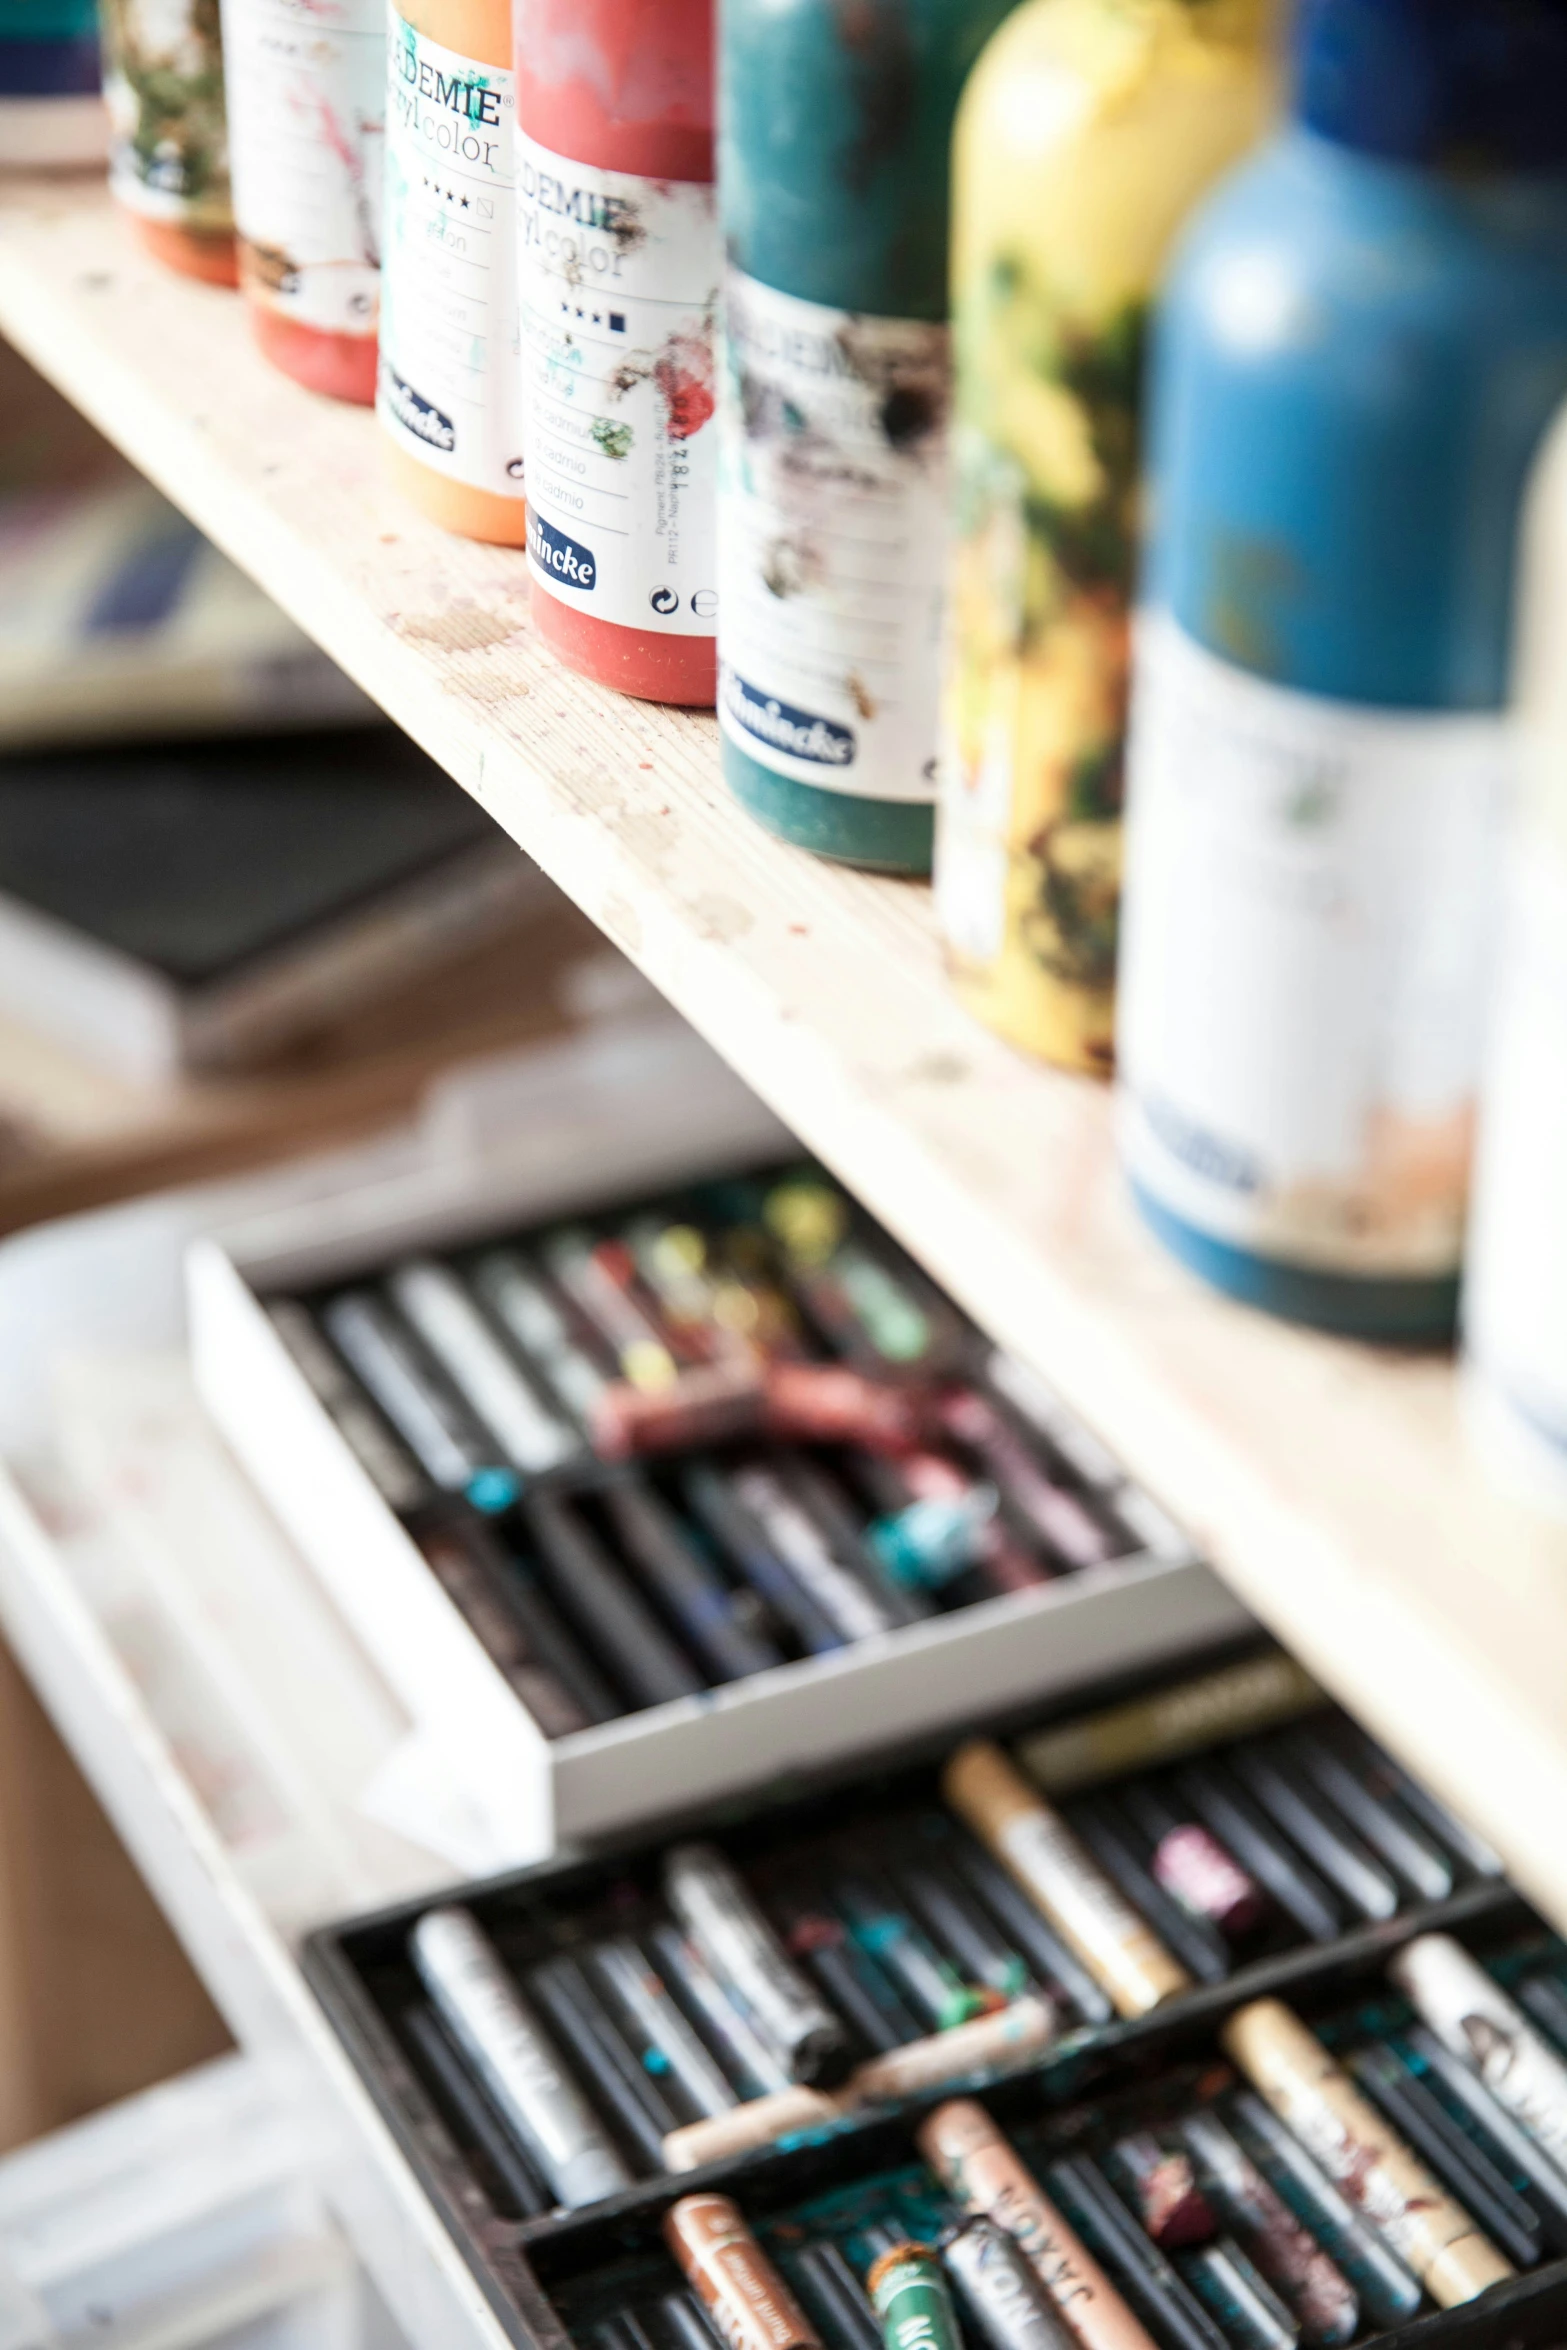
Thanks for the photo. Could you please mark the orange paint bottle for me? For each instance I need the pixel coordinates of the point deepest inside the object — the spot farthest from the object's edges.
(449, 388)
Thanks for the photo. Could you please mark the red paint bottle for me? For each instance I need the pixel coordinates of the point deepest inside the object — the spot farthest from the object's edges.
(619, 260)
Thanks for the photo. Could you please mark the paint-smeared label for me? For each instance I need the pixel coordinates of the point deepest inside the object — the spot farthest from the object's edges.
(619, 278)
(1309, 912)
(163, 85)
(449, 390)
(307, 111)
(832, 535)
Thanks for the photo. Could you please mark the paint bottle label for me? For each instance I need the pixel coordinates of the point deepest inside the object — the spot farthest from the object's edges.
(1515, 1295)
(163, 86)
(307, 115)
(449, 391)
(832, 542)
(1310, 909)
(620, 279)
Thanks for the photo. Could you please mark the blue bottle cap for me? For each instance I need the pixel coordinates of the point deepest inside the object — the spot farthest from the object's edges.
(1464, 85)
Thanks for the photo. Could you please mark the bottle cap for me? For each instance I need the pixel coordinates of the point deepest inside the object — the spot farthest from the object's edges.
(1460, 85)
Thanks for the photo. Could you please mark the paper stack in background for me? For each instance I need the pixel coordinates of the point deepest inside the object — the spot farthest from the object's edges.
(239, 913)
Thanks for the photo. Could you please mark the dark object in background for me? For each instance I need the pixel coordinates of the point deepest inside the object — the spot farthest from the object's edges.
(207, 905)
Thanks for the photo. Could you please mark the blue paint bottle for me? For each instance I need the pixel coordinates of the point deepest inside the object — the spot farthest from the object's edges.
(1362, 343)
(835, 125)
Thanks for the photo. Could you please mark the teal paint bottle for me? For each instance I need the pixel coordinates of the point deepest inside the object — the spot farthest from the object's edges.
(835, 126)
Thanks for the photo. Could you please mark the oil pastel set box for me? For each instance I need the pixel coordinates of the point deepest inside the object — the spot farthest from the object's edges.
(677, 1476)
(1188, 2022)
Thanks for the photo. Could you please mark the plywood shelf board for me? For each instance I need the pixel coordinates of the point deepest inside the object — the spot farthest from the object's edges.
(1330, 1485)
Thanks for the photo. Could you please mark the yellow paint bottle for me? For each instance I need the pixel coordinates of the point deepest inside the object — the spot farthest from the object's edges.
(1088, 131)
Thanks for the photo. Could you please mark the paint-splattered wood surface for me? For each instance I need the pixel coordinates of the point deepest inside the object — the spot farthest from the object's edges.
(1333, 1487)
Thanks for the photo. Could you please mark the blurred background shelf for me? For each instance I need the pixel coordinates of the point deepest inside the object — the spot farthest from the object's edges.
(234, 1799)
(1331, 1486)
(74, 1135)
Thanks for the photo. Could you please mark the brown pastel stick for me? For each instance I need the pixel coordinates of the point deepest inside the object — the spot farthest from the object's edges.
(990, 2043)
(711, 1405)
(984, 2172)
(1117, 1946)
(717, 1403)
(825, 1403)
(733, 2278)
(1371, 2167)
(761, 2122)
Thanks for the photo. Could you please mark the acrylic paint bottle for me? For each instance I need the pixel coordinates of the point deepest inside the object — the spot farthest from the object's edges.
(1358, 357)
(51, 105)
(1089, 131)
(835, 130)
(168, 135)
(449, 382)
(1515, 1280)
(307, 111)
(619, 260)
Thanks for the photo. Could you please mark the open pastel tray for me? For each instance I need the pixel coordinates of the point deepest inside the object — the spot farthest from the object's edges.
(587, 2274)
(591, 1640)
(807, 1855)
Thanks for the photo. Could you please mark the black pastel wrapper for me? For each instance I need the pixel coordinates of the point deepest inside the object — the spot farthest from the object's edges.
(717, 1912)
(555, 1683)
(609, 1612)
(1002, 2297)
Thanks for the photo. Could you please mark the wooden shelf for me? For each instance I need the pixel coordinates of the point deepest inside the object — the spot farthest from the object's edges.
(1330, 1485)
